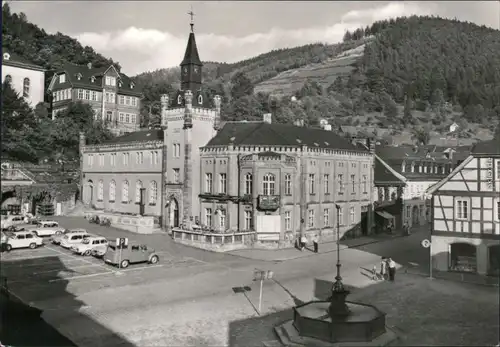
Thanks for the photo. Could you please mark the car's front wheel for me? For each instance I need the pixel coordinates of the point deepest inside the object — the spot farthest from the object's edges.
(8, 247)
(124, 264)
(86, 253)
(154, 259)
(32, 245)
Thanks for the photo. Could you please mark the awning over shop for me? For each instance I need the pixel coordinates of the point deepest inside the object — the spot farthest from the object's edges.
(385, 215)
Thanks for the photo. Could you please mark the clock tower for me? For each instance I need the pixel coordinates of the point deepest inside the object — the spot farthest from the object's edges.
(191, 64)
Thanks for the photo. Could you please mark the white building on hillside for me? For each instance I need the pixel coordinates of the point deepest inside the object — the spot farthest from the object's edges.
(26, 78)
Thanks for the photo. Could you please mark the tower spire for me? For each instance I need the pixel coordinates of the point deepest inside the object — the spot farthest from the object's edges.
(191, 13)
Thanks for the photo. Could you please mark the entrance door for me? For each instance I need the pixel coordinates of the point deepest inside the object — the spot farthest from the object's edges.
(494, 260)
(174, 213)
(415, 216)
(88, 192)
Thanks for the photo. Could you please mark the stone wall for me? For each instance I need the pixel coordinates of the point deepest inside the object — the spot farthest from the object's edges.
(214, 242)
(134, 223)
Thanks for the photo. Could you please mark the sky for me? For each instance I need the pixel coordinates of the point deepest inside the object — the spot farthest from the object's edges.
(148, 35)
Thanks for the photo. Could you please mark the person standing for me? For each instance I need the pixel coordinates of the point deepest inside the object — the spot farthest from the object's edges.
(392, 269)
(315, 243)
(303, 242)
(383, 268)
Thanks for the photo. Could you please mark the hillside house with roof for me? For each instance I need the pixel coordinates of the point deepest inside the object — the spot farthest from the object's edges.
(466, 214)
(283, 181)
(25, 77)
(114, 97)
(421, 167)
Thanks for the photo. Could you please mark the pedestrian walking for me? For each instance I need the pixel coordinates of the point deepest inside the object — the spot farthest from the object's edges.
(374, 273)
(383, 268)
(315, 243)
(303, 242)
(392, 269)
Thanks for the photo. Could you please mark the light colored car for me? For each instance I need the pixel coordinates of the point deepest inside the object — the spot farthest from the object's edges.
(23, 239)
(3, 237)
(130, 254)
(42, 230)
(73, 239)
(47, 224)
(91, 245)
(56, 239)
(11, 220)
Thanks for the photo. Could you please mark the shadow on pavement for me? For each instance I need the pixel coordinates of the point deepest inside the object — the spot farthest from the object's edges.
(23, 325)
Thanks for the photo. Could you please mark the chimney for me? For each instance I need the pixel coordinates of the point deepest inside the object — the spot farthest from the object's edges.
(267, 118)
(89, 65)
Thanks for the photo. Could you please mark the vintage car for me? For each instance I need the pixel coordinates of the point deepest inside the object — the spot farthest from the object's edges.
(56, 239)
(47, 229)
(22, 239)
(11, 220)
(71, 239)
(91, 245)
(125, 255)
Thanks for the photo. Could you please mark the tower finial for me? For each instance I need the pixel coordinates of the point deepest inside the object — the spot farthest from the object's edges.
(191, 13)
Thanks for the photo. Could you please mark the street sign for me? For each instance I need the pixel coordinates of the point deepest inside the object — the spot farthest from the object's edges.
(260, 275)
(425, 243)
(122, 241)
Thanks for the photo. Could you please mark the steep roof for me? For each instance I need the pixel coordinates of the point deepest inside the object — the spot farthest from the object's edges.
(138, 136)
(13, 59)
(265, 134)
(487, 147)
(72, 71)
(191, 55)
(384, 174)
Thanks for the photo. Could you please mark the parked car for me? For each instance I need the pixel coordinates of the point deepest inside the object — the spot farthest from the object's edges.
(47, 231)
(73, 238)
(130, 254)
(3, 236)
(47, 224)
(56, 239)
(11, 220)
(23, 239)
(91, 245)
(14, 229)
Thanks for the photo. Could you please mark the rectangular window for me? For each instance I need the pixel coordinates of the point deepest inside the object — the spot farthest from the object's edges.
(222, 219)
(408, 212)
(125, 158)
(177, 175)
(94, 96)
(326, 184)
(341, 216)
(365, 184)
(288, 184)
(498, 210)
(353, 181)
(248, 220)
(223, 183)
(352, 216)
(311, 184)
(110, 81)
(208, 183)
(90, 160)
(62, 78)
(310, 219)
(326, 217)
(112, 159)
(462, 209)
(288, 220)
(101, 159)
(109, 116)
(208, 217)
(177, 150)
(156, 157)
(121, 100)
(133, 118)
(341, 183)
(110, 97)
(80, 94)
(122, 117)
(127, 100)
(87, 95)
(127, 118)
(134, 101)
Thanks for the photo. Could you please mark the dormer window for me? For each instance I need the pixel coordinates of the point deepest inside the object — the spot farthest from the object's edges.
(179, 99)
(403, 167)
(62, 78)
(132, 85)
(200, 99)
(78, 76)
(92, 79)
(6, 56)
(420, 168)
(412, 167)
(120, 84)
(111, 81)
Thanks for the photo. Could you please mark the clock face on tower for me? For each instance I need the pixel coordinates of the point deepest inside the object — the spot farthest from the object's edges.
(185, 70)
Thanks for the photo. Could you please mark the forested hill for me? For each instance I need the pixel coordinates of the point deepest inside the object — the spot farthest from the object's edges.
(47, 50)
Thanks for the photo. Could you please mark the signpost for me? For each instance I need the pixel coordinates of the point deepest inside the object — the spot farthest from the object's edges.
(260, 275)
(428, 244)
(121, 242)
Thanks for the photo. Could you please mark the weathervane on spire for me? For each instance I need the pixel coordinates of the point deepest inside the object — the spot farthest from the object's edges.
(191, 13)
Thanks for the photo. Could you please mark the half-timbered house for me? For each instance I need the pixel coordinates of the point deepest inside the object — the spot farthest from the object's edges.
(466, 214)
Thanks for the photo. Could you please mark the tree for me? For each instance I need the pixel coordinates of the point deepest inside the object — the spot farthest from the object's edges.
(389, 105)
(41, 111)
(407, 114)
(421, 135)
(241, 86)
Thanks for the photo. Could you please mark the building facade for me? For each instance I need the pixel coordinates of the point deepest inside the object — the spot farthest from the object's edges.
(113, 96)
(26, 78)
(283, 181)
(466, 214)
(120, 174)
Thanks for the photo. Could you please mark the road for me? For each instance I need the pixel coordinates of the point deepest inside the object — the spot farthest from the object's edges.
(188, 299)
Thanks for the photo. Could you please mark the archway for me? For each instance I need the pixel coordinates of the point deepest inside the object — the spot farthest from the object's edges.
(494, 260)
(173, 213)
(7, 195)
(88, 192)
(463, 257)
(415, 216)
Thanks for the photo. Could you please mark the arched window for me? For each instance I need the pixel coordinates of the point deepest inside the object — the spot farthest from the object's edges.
(100, 190)
(112, 191)
(8, 78)
(26, 87)
(200, 99)
(153, 192)
(179, 99)
(403, 166)
(248, 184)
(268, 184)
(125, 192)
(138, 187)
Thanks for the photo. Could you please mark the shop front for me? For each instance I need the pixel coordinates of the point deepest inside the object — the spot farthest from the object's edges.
(463, 257)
